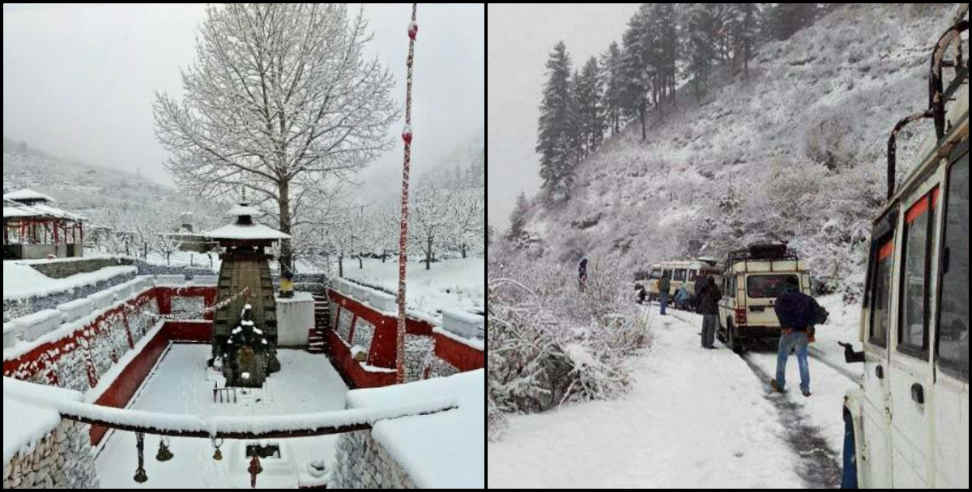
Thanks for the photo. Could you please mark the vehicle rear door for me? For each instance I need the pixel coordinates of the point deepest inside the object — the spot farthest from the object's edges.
(761, 292)
(910, 378)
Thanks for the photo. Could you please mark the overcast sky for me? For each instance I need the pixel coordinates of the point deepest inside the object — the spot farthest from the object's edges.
(79, 80)
(521, 37)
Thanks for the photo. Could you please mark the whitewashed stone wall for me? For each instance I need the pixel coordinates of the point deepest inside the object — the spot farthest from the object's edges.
(188, 305)
(363, 464)
(61, 459)
(417, 350)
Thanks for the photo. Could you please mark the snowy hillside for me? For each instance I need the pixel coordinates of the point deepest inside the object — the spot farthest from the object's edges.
(87, 189)
(794, 153)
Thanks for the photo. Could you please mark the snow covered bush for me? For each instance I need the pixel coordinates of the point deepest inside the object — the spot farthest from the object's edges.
(550, 343)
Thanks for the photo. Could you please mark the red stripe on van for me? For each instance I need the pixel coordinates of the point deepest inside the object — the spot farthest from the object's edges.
(886, 250)
(920, 207)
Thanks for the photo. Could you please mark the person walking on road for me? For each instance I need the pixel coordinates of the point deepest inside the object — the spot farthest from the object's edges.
(797, 313)
(663, 286)
(709, 307)
(582, 274)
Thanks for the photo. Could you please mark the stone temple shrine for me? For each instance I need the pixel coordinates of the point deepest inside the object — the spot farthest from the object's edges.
(244, 336)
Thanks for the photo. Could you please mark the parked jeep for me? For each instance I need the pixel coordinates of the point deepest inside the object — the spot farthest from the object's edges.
(753, 277)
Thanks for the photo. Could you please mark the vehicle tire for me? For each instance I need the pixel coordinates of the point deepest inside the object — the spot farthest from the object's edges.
(734, 343)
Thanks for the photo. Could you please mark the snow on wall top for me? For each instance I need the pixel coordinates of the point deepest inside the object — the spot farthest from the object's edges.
(442, 450)
(20, 281)
(27, 194)
(237, 231)
(24, 423)
(72, 403)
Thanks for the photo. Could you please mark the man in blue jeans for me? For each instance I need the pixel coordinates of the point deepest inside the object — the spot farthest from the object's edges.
(796, 312)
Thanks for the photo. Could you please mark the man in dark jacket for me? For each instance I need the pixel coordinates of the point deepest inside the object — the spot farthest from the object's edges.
(582, 274)
(797, 312)
(709, 306)
(663, 286)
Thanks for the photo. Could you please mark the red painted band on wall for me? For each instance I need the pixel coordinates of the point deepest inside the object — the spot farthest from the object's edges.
(460, 355)
(351, 370)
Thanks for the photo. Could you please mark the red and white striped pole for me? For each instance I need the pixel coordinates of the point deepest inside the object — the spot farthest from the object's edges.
(407, 137)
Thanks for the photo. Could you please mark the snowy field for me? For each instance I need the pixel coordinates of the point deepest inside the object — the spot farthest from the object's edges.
(693, 418)
(450, 284)
(181, 384)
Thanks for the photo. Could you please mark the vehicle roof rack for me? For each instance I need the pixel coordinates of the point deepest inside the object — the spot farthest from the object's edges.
(761, 251)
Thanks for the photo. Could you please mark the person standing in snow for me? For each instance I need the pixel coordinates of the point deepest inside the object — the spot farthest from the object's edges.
(700, 284)
(797, 313)
(582, 274)
(641, 293)
(708, 300)
(663, 286)
(682, 297)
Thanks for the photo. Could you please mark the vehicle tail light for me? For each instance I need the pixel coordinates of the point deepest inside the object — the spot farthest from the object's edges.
(740, 316)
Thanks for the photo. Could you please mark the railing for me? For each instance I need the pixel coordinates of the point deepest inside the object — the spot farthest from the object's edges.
(68, 403)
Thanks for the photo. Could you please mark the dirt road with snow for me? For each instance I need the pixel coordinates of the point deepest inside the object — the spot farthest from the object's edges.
(693, 418)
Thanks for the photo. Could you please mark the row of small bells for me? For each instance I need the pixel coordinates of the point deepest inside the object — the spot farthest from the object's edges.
(164, 454)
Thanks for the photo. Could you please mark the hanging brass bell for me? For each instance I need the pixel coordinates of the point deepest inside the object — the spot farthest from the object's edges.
(218, 455)
(164, 454)
(140, 475)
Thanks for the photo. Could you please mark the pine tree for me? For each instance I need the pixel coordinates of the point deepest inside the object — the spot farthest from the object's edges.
(518, 217)
(554, 125)
(589, 107)
(701, 46)
(785, 19)
(638, 67)
(613, 90)
(744, 23)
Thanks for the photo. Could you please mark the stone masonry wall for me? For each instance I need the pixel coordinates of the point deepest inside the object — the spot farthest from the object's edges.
(363, 464)
(61, 269)
(61, 459)
(15, 308)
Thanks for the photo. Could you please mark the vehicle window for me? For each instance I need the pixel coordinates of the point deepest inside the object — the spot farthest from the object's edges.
(913, 320)
(691, 275)
(953, 322)
(880, 314)
(656, 273)
(679, 274)
(766, 285)
(667, 273)
(641, 275)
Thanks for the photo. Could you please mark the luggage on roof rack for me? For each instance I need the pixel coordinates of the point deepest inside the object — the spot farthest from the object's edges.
(762, 251)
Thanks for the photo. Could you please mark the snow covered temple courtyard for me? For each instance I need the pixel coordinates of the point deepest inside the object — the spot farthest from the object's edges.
(182, 384)
(110, 346)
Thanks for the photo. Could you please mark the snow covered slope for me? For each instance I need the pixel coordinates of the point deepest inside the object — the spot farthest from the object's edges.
(796, 152)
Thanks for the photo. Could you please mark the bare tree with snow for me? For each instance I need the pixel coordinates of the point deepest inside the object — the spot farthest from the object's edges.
(281, 98)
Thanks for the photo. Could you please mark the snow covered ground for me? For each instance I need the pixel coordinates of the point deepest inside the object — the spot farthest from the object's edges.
(181, 384)
(693, 418)
(450, 284)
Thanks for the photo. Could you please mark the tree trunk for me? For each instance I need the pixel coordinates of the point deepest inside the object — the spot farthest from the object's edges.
(428, 253)
(641, 115)
(286, 249)
(341, 266)
(463, 247)
(360, 263)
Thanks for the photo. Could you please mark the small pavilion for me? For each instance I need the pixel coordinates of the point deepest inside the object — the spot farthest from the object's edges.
(33, 228)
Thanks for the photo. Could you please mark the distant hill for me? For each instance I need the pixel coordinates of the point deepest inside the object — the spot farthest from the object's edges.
(794, 153)
(88, 189)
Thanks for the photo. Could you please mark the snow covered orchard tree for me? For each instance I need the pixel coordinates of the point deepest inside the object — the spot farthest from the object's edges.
(430, 217)
(280, 97)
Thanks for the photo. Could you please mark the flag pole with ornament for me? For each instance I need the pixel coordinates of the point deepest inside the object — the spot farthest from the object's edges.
(407, 137)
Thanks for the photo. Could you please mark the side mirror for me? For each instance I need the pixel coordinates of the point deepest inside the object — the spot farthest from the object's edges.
(850, 356)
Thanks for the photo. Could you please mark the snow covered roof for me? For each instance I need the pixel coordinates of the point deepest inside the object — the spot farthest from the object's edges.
(26, 194)
(14, 209)
(253, 231)
(244, 209)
